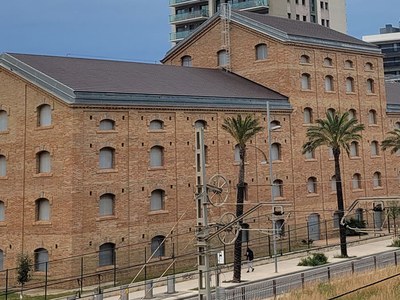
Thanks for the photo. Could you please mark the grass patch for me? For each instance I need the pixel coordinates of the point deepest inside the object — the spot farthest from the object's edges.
(316, 259)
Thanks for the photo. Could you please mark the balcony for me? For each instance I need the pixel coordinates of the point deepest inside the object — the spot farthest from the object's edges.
(250, 5)
(175, 3)
(190, 16)
(178, 36)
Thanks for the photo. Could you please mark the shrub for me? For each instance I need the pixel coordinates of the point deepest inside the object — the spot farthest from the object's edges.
(395, 243)
(316, 259)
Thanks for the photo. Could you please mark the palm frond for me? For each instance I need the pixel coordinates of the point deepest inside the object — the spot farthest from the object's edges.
(392, 142)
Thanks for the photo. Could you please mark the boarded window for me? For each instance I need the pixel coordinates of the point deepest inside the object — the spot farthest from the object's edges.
(261, 52)
(156, 125)
(106, 205)
(307, 115)
(3, 120)
(44, 115)
(3, 166)
(310, 155)
(328, 83)
(156, 156)
(43, 162)
(1, 260)
(348, 64)
(356, 181)
(157, 200)
(370, 86)
(222, 58)
(354, 149)
(107, 124)
(349, 85)
(305, 81)
(372, 117)
(2, 211)
(186, 61)
(277, 188)
(374, 148)
(376, 179)
(312, 185)
(41, 259)
(106, 158)
(328, 62)
(304, 59)
(237, 153)
(333, 183)
(106, 254)
(158, 246)
(42, 210)
(276, 151)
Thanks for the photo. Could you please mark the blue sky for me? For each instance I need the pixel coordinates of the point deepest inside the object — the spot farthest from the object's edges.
(135, 30)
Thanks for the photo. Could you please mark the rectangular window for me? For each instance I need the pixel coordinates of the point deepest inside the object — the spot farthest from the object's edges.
(327, 23)
(297, 17)
(326, 5)
(305, 18)
(322, 4)
(289, 15)
(323, 22)
(303, 2)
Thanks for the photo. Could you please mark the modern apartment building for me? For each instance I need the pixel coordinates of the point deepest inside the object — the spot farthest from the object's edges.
(389, 42)
(187, 15)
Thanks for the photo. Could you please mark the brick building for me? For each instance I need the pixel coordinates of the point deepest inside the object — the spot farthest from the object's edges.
(99, 155)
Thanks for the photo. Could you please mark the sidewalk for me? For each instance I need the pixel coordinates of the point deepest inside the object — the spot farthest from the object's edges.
(264, 269)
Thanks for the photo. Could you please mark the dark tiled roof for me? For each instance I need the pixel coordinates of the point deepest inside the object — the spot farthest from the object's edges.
(105, 76)
(393, 92)
(303, 29)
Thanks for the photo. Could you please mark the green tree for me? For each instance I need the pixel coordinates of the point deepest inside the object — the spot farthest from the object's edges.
(24, 269)
(337, 131)
(242, 130)
(392, 142)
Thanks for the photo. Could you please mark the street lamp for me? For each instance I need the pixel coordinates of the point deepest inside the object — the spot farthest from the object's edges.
(271, 183)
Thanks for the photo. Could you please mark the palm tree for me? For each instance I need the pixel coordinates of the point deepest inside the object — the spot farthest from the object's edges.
(242, 130)
(337, 131)
(392, 141)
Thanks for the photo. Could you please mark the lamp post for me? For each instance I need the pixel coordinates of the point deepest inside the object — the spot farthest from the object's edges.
(271, 183)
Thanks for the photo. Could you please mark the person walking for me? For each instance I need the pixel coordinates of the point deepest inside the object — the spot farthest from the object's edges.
(250, 257)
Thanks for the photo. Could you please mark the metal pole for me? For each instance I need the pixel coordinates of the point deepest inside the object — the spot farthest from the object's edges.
(81, 283)
(7, 279)
(45, 283)
(271, 181)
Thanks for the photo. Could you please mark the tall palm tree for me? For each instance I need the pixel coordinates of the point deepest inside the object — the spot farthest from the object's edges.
(337, 131)
(242, 130)
(392, 141)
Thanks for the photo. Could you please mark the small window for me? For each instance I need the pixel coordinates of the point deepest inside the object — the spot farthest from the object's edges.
(277, 188)
(261, 52)
(107, 254)
(336, 219)
(369, 66)
(330, 152)
(304, 59)
(276, 151)
(331, 111)
(158, 246)
(312, 185)
(43, 159)
(310, 155)
(333, 184)
(3, 120)
(376, 180)
(1, 260)
(352, 114)
(359, 214)
(374, 148)
(354, 149)
(237, 153)
(106, 205)
(307, 114)
(328, 83)
(2, 211)
(186, 61)
(41, 257)
(275, 124)
(356, 181)
(44, 115)
(245, 233)
(349, 85)
(107, 124)
(348, 64)
(106, 158)
(222, 58)
(42, 210)
(372, 117)
(305, 81)
(200, 124)
(3, 166)
(156, 125)
(156, 156)
(370, 86)
(280, 227)
(157, 200)
(397, 125)
(328, 62)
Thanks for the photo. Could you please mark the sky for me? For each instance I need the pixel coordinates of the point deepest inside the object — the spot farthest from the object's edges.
(135, 30)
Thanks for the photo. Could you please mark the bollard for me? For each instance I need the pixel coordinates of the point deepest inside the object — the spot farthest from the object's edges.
(148, 293)
(220, 293)
(124, 292)
(171, 284)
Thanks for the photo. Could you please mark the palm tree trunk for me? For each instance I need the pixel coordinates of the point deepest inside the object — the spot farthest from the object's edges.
(340, 203)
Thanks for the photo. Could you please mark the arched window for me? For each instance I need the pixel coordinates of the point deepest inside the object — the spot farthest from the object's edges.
(106, 205)
(275, 123)
(307, 114)
(354, 149)
(157, 201)
(156, 156)
(369, 66)
(310, 155)
(245, 233)
(106, 158)
(1, 260)
(107, 254)
(2, 211)
(304, 59)
(277, 188)
(372, 117)
(349, 85)
(42, 210)
(356, 181)
(3, 120)
(3, 166)
(397, 125)
(330, 152)
(261, 52)
(370, 86)
(336, 219)
(41, 259)
(186, 61)
(352, 114)
(280, 227)
(158, 246)
(222, 58)
(374, 148)
(333, 184)
(200, 124)
(359, 214)
(107, 124)
(328, 62)
(237, 153)
(376, 180)
(328, 83)
(43, 160)
(276, 151)
(331, 111)
(348, 64)
(312, 185)
(305, 81)
(44, 115)
(156, 125)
